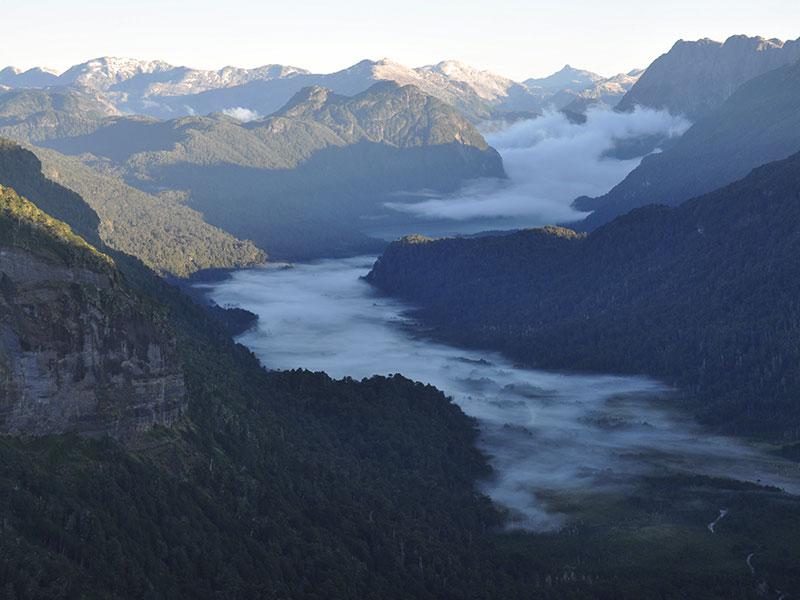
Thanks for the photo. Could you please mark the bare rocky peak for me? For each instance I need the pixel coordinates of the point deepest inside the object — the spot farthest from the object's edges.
(104, 72)
(617, 85)
(695, 77)
(486, 84)
(567, 79)
(159, 78)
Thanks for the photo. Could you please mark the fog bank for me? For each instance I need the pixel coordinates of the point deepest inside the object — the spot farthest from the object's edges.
(545, 433)
(550, 161)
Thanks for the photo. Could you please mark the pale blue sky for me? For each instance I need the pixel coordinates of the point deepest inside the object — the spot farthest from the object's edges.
(516, 38)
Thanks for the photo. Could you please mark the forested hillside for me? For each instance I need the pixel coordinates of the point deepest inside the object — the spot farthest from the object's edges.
(298, 183)
(34, 115)
(292, 485)
(272, 485)
(164, 233)
(704, 295)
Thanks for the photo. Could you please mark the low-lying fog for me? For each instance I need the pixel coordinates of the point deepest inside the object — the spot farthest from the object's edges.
(544, 432)
(550, 161)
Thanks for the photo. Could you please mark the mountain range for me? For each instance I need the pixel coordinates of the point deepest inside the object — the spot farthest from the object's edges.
(298, 182)
(162, 90)
(146, 454)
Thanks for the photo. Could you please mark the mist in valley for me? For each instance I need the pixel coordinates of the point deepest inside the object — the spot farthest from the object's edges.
(548, 435)
(550, 161)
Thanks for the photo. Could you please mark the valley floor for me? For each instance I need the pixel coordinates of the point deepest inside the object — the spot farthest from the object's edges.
(601, 479)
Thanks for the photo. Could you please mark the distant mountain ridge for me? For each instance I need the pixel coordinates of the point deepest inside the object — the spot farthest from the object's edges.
(162, 90)
(694, 78)
(568, 78)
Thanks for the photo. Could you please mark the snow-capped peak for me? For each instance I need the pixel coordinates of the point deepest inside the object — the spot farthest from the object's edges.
(103, 72)
(486, 84)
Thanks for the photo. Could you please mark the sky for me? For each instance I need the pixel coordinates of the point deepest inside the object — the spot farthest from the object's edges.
(515, 38)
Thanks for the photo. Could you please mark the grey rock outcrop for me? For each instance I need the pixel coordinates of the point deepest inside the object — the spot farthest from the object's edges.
(77, 353)
(694, 78)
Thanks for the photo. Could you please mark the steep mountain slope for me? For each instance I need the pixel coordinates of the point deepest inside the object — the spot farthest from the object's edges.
(79, 352)
(292, 485)
(33, 115)
(310, 171)
(694, 78)
(759, 123)
(704, 295)
(605, 93)
(167, 236)
(276, 484)
(32, 78)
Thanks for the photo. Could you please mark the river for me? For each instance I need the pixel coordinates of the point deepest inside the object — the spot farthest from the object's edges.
(545, 433)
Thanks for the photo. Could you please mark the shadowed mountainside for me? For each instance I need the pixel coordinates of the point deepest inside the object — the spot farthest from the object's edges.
(704, 295)
(759, 123)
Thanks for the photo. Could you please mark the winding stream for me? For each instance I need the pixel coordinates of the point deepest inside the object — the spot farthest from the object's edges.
(544, 432)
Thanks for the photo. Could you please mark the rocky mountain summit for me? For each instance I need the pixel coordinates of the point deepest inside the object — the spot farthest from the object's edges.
(162, 90)
(694, 78)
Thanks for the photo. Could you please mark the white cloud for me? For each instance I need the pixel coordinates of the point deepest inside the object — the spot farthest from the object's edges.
(241, 114)
(550, 161)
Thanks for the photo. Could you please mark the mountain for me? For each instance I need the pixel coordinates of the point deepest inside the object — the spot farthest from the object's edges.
(486, 84)
(703, 295)
(605, 93)
(132, 85)
(166, 235)
(79, 353)
(281, 176)
(106, 72)
(568, 79)
(758, 123)
(180, 449)
(464, 88)
(32, 78)
(575, 90)
(694, 78)
(34, 115)
(159, 89)
(290, 484)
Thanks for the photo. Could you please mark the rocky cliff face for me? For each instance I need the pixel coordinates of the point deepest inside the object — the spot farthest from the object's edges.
(78, 352)
(694, 78)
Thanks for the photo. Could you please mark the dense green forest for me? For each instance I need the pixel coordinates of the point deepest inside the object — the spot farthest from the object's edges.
(34, 115)
(293, 485)
(705, 296)
(274, 484)
(165, 235)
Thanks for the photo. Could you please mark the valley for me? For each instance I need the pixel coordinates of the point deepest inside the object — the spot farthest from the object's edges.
(575, 458)
(378, 329)
(548, 435)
